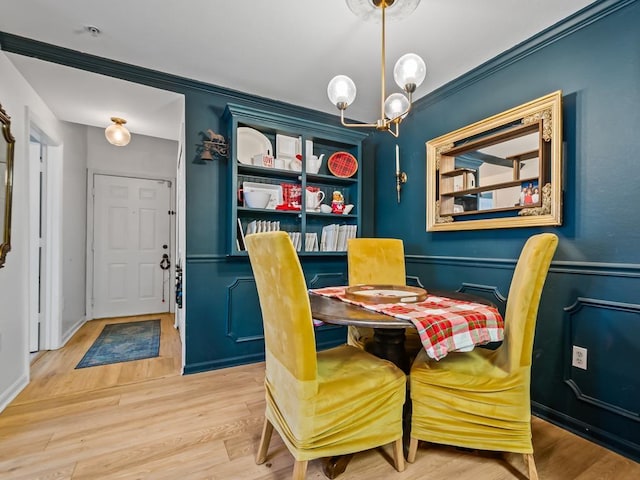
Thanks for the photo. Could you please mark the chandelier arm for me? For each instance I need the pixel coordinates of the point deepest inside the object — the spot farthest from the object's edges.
(357, 125)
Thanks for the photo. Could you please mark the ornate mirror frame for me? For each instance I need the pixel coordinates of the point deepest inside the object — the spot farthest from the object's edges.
(7, 143)
(484, 175)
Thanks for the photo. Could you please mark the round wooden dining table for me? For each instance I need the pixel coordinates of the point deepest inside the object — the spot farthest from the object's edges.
(388, 342)
(389, 332)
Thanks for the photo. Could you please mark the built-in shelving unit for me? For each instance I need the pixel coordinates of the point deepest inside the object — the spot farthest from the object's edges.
(324, 140)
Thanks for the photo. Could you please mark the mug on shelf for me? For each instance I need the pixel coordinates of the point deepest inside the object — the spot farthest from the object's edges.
(314, 197)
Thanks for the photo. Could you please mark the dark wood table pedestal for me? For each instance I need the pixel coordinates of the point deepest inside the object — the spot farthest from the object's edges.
(388, 343)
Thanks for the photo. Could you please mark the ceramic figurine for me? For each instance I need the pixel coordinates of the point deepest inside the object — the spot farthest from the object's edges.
(337, 204)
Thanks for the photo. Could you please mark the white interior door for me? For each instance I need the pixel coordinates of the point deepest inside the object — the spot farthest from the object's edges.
(131, 233)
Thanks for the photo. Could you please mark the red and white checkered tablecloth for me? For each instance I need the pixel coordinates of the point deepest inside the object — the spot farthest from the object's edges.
(444, 324)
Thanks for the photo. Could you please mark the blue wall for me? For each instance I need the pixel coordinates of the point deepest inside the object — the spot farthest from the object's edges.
(591, 297)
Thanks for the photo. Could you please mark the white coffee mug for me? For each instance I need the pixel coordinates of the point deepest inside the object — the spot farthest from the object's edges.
(314, 199)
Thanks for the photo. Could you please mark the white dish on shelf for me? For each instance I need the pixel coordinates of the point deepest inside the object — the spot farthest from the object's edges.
(251, 142)
(287, 147)
(256, 198)
(275, 191)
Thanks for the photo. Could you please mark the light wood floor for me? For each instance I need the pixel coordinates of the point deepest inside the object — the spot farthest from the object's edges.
(53, 372)
(145, 421)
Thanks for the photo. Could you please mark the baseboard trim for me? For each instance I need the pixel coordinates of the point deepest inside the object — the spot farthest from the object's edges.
(593, 434)
(243, 359)
(13, 391)
(66, 336)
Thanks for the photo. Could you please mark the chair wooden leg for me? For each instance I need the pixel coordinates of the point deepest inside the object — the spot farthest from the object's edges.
(398, 455)
(413, 449)
(528, 459)
(300, 470)
(267, 430)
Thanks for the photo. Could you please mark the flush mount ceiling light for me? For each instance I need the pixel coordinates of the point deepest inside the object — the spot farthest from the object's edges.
(409, 71)
(117, 134)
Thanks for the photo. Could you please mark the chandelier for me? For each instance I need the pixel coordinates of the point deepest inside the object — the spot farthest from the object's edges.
(409, 71)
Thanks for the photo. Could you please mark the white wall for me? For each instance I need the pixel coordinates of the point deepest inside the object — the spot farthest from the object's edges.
(74, 228)
(144, 156)
(23, 105)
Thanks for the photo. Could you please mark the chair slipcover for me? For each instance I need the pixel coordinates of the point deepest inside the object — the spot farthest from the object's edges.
(377, 261)
(328, 403)
(481, 399)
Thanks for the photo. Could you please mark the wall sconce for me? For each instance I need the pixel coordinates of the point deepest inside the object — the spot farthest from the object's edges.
(214, 147)
(401, 177)
(117, 134)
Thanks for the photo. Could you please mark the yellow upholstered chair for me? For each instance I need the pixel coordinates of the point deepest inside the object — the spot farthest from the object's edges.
(377, 261)
(323, 404)
(481, 399)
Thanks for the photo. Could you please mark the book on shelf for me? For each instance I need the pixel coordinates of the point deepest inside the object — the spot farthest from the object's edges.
(341, 242)
(240, 237)
(334, 237)
(296, 240)
(311, 242)
(259, 226)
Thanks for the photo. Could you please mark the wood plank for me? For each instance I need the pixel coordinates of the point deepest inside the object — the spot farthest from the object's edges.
(160, 425)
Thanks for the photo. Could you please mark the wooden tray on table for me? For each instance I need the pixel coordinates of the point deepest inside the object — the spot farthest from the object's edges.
(377, 294)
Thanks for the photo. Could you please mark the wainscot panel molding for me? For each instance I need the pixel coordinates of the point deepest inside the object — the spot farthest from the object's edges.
(631, 270)
(588, 304)
(488, 291)
(243, 325)
(226, 329)
(321, 280)
(603, 328)
(414, 281)
(243, 301)
(206, 258)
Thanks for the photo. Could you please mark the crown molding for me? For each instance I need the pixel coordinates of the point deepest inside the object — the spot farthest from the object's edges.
(134, 73)
(579, 20)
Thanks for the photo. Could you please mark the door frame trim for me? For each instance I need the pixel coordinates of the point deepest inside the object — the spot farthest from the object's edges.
(91, 173)
(51, 318)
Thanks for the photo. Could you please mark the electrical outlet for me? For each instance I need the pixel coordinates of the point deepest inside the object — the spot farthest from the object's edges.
(579, 357)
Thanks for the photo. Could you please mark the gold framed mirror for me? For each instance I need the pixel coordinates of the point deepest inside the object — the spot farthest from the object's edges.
(7, 143)
(502, 172)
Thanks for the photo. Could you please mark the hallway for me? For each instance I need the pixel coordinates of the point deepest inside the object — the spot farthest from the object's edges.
(53, 372)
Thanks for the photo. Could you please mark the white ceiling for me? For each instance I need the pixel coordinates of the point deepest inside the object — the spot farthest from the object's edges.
(286, 50)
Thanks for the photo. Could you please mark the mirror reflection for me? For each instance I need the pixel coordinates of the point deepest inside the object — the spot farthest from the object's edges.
(511, 167)
(500, 172)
